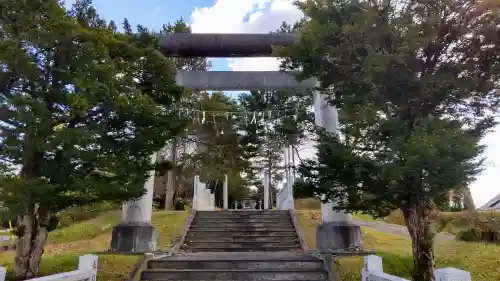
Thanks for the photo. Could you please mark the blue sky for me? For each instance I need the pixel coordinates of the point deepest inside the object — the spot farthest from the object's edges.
(155, 13)
(255, 16)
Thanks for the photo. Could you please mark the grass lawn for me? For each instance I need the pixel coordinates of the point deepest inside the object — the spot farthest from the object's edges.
(478, 258)
(67, 244)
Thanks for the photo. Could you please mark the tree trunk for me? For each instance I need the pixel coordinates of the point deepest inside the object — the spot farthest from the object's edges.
(37, 250)
(171, 174)
(23, 246)
(30, 245)
(422, 240)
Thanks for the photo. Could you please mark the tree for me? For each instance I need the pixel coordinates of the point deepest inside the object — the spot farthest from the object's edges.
(222, 148)
(172, 178)
(169, 181)
(283, 119)
(417, 86)
(82, 108)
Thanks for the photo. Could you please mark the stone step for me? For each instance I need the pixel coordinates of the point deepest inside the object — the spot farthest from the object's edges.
(244, 212)
(241, 215)
(236, 275)
(238, 220)
(246, 244)
(242, 224)
(241, 229)
(238, 239)
(289, 256)
(245, 249)
(221, 233)
(234, 264)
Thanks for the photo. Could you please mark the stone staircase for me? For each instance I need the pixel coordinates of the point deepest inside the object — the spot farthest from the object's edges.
(242, 231)
(239, 245)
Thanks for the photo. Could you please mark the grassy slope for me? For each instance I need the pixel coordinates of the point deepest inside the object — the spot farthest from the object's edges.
(478, 258)
(66, 244)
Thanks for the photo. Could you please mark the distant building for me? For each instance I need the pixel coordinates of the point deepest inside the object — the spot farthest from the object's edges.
(491, 206)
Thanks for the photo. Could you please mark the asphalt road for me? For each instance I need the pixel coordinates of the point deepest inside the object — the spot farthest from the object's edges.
(397, 229)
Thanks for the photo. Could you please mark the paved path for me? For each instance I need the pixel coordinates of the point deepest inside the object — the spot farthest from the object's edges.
(397, 229)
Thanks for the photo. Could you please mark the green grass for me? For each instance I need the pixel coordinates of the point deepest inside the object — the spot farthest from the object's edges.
(68, 243)
(315, 204)
(478, 258)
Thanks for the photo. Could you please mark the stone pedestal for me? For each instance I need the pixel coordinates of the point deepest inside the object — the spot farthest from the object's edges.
(136, 234)
(134, 238)
(334, 237)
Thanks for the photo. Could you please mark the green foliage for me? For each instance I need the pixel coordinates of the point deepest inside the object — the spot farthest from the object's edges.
(417, 87)
(83, 108)
(288, 123)
(79, 99)
(409, 106)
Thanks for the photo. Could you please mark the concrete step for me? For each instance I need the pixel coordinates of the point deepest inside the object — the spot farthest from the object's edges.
(244, 249)
(241, 229)
(240, 218)
(192, 233)
(236, 275)
(237, 220)
(242, 224)
(238, 239)
(234, 264)
(241, 215)
(288, 256)
(246, 244)
(245, 212)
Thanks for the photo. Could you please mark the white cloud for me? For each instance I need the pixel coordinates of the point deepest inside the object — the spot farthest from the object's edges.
(487, 185)
(245, 16)
(262, 16)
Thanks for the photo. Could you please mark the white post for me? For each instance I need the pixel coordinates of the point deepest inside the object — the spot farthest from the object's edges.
(136, 234)
(206, 197)
(372, 264)
(140, 210)
(266, 190)
(202, 197)
(88, 263)
(326, 116)
(3, 273)
(226, 193)
(290, 169)
(452, 274)
(212, 201)
(291, 202)
(196, 192)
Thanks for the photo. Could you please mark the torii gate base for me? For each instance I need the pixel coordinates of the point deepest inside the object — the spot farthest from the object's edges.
(136, 234)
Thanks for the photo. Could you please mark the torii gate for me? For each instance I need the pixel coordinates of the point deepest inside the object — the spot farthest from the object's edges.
(337, 231)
